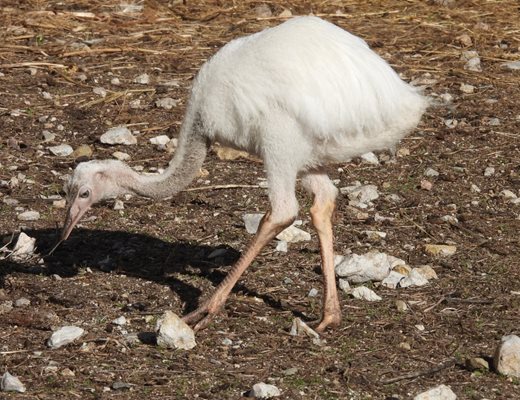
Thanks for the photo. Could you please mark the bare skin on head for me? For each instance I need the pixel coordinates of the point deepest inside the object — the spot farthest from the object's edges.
(264, 95)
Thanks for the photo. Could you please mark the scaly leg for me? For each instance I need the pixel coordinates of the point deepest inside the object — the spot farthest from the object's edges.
(266, 232)
(321, 213)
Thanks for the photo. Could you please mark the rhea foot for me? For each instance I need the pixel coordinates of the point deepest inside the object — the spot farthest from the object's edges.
(202, 316)
(330, 319)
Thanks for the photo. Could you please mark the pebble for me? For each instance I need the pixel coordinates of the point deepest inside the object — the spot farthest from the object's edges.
(119, 205)
(440, 250)
(364, 293)
(120, 321)
(228, 153)
(119, 155)
(489, 171)
(143, 79)
(507, 356)
(100, 91)
(344, 285)
(263, 11)
(447, 98)
(115, 81)
(370, 158)
(161, 140)
(83, 150)
(405, 346)
(477, 364)
(29, 216)
(62, 150)
(10, 383)
(264, 391)
(48, 136)
(293, 234)
(227, 342)
(426, 185)
(401, 305)
(361, 193)
(10, 201)
(64, 336)
(512, 65)
(59, 203)
(24, 246)
(472, 59)
(494, 121)
(441, 392)
(120, 385)
(371, 266)
(300, 328)
(468, 89)
(312, 293)
(374, 236)
(22, 302)
(285, 14)
(166, 102)
(431, 172)
(118, 135)
(6, 306)
(427, 271)
(174, 333)
(465, 40)
(281, 246)
(252, 221)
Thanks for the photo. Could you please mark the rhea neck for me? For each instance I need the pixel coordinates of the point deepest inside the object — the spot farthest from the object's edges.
(180, 173)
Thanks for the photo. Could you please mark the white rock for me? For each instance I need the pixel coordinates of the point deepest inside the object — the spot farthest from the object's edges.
(135, 104)
(401, 305)
(118, 135)
(472, 60)
(393, 280)
(252, 221)
(161, 140)
(451, 219)
(468, 89)
(364, 293)
(489, 171)
(143, 79)
(227, 342)
(507, 356)
(371, 266)
(415, 278)
(264, 391)
(431, 172)
(293, 234)
(374, 235)
(100, 91)
(120, 321)
(370, 158)
(121, 156)
(119, 205)
(508, 194)
(344, 285)
(313, 292)
(447, 98)
(10, 383)
(174, 333)
(22, 302)
(62, 150)
(115, 81)
(441, 392)
(64, 335)
(29, 216)
(281, 246)
(474, 188)
(166, 102)
(494, 121)
(361, 193)
(427, 271)
(512, 65)
(24, 246)
(48, 136)
(300, 328)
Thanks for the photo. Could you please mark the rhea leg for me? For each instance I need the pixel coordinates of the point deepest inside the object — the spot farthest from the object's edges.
(321, 213)
(282, 214)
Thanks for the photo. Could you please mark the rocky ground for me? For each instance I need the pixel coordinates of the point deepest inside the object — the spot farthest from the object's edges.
(71, 71)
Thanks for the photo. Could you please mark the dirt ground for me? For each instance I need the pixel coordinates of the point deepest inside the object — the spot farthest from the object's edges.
(153, 256)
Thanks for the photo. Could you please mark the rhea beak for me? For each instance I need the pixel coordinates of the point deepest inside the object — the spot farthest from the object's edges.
(74, 214)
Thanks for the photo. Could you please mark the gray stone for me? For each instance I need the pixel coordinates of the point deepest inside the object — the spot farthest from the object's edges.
(24, 246)
(361, 193)
(431, 172)
(300, 328)
(120, 321)
(62, 150)
(489, 171)
(118, 135)
(441, 392)
(264, 391)
(415, 278)
(143, 79)
(293, 234)
(371, 266)
(393, 280)
(512, 65)
(121, 156)
(22, 302)
(364, 293)
(507, 356)
(10, 383)
(370, 158)
(29, 216)
(166, 102)
(468, 89)
(64, 336)
(174, 333)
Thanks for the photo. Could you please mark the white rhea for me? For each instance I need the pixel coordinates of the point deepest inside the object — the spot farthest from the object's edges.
(300, 95)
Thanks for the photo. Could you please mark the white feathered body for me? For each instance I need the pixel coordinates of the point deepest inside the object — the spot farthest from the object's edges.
(307, 88)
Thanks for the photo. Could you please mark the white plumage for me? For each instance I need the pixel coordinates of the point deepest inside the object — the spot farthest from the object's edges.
(299, 95)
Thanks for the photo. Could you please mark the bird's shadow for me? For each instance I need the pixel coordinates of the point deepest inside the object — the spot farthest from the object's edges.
(137, 255)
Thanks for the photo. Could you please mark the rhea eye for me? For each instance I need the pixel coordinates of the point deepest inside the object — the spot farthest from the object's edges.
(84, 194)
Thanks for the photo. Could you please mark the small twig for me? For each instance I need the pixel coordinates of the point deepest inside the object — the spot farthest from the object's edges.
(443, 298)
(32, 64)
(219, 187)
(447, 364)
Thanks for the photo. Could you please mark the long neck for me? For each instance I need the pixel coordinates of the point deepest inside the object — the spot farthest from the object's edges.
(183, 168)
